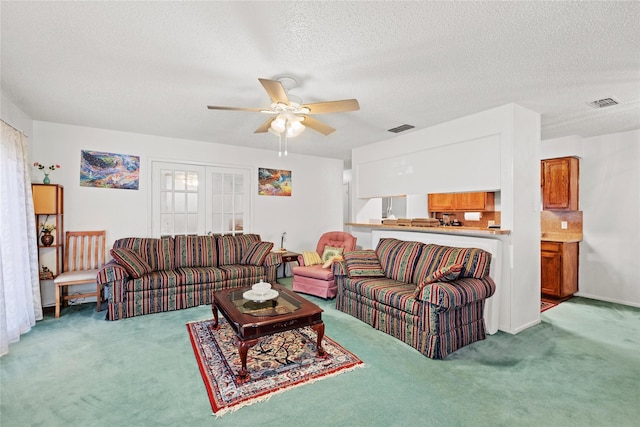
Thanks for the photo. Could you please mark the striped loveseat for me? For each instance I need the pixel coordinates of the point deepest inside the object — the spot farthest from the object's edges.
(426, 295)
(151, 275)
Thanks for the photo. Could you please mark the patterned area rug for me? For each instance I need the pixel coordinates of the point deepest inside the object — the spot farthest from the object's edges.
(276, 363)
(546, 305)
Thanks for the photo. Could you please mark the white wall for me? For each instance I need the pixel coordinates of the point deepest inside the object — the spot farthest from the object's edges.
(15, 117)
(610, 200)
(314, 207)
(498, 149)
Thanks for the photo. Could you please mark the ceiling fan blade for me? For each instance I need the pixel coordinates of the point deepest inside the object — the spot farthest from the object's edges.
(265, 126)
(333, 106)
(276, 91)
(215, 107)
(317, 125)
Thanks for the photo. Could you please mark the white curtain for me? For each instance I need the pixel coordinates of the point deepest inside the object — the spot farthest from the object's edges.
(20, 304)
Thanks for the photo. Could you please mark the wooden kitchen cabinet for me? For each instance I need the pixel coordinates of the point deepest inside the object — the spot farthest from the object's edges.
(559, 180)
(441, 202)
(559, 269)
(451, 202)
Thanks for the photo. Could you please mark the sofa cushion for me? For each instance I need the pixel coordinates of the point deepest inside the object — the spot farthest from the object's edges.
(444, 274)
(237, 271)
(311, 258)
(231, 249)
(131, 261)
(386, 291)
(363, 264)
(158, 253)
(195, 251)
(330, 252)
(256, 253)
(197, 275)
(328, 263)
(475, 262)
(314, 272)
(157, 280)
(398, 258)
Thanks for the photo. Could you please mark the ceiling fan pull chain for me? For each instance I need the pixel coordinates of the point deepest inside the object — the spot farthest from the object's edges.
(280, 146)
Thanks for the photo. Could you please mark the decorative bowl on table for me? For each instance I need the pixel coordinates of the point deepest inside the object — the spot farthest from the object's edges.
(260, 292)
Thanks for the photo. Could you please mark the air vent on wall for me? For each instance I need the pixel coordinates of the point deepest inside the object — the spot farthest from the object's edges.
(604, 102)
(401, 128)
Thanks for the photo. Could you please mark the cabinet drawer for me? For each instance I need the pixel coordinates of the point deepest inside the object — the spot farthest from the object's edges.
(551, 246)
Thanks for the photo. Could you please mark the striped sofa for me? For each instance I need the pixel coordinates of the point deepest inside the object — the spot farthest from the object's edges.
(152, 275)
(426, 295)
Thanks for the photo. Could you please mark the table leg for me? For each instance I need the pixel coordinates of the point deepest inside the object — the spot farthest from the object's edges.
(214, 309)
(243, 348)
(319, 329)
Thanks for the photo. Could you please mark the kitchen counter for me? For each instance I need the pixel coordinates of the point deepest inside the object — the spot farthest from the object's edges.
(561, 237)
(440, 230)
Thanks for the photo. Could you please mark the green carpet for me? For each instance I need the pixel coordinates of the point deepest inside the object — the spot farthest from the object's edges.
(579, 367)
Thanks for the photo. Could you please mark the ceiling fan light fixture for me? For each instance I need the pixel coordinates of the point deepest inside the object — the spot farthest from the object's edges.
(294, 127)
(279, 124)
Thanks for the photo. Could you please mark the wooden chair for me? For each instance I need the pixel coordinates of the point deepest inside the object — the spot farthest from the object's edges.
(84, 255)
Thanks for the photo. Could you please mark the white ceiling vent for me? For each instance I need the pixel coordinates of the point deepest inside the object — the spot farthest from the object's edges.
(604, 102)
(401, 128)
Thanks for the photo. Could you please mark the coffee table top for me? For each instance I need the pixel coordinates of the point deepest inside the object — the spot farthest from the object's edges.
(251, 319)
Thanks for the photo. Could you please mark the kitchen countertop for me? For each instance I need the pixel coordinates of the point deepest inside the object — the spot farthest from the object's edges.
(441, 230)
(561, 237)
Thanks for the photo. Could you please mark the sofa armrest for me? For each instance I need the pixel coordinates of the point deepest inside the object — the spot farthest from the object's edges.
(111, 272)
(448, 295)
(272, 259)
(339, 268)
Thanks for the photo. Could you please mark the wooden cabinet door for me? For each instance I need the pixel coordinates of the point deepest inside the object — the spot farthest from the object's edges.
(550, 271)
(478, 201)
(559, 269)
(441, 202)
(560, 183)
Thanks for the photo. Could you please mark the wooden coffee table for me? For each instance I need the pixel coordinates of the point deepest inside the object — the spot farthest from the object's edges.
(252, 320)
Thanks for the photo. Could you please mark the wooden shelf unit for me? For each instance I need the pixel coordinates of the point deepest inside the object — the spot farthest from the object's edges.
(48, 206)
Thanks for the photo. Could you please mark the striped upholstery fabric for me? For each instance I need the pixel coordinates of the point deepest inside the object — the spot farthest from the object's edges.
(363, 264)
(185, 272)
(131, 261)
(231, 249)
(196, 251)
(476, 262)
(256, 253)
(398, 258)
(455, 294)
(437, 318)
(158, 253)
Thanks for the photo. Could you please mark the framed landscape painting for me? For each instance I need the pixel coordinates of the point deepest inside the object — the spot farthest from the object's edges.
(109, 170)
(274, 182)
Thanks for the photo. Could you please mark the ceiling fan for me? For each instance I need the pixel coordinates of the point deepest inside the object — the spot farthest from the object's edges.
(289, 118)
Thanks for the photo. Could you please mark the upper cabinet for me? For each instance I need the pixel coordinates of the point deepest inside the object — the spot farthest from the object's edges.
(477, 201)
(559, 180)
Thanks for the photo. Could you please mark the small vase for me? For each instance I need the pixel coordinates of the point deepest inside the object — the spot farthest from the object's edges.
(46, 180)
(46, 238)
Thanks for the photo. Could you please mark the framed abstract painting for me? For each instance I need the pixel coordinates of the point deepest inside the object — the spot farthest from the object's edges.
(274, 182)
(109, 170)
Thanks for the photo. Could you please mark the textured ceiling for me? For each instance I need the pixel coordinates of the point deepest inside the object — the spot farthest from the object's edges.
(153, 67)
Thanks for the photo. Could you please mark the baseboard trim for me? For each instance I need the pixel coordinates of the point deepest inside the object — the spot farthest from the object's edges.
(599, 298)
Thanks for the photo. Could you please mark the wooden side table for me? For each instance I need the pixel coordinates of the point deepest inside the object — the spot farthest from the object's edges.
(287, 257)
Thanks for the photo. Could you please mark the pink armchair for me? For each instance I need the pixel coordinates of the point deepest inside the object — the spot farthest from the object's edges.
(318, 281)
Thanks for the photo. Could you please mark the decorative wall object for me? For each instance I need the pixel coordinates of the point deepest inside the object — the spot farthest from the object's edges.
(109, 170)
(274, 182)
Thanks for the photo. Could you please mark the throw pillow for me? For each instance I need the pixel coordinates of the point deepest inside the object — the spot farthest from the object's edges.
(444, 274)
(331, 260)
(330, 252)
(363, 264)
(311, 258)
(132, 262)
(256, 253)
